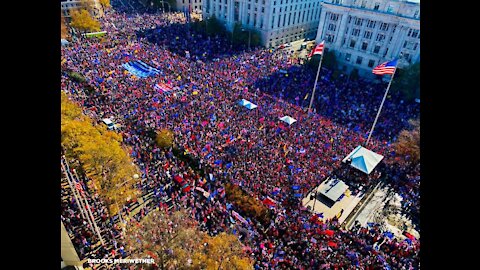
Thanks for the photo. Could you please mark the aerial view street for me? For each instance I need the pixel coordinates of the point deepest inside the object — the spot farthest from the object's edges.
(253, 134)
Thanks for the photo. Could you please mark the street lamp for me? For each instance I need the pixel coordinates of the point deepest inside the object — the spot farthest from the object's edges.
(249, 36)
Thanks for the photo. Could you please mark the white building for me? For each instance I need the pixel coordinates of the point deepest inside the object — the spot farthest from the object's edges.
(365, 33)
(196, 5)
(68, 5)
(278, 21)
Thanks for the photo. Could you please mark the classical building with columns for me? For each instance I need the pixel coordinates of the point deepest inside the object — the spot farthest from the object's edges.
(278, 21)
(195, 5)
(365, 33)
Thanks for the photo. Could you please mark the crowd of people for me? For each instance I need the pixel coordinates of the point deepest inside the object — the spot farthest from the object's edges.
(249, 148)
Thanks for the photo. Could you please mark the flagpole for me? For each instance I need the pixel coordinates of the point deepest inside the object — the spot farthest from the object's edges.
(381, 105)
(315, 85)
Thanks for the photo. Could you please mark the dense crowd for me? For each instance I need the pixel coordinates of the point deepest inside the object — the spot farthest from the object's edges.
(252, 149)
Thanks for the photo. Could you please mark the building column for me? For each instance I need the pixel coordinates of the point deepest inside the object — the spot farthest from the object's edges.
(341, 30)
(321, 24)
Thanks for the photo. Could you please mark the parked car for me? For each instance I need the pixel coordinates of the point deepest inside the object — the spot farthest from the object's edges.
(110, 124)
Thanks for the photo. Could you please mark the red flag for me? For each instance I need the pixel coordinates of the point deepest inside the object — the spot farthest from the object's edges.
(318, 49)
(79, 187)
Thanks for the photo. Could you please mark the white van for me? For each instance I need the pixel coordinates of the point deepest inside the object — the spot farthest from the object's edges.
(109, 123)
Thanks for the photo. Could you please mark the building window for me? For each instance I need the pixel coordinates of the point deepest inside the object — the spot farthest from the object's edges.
(367, 34)
(331, 27)
(263, 10)
(371, 63)
(364, 4)
(415, 33)
(376, 6)
(349, 19)
(371, 24)
(380, 37)
(330, 38)
(416, 13)
(405, 44)
(384, 26)
(358, 21)
(352, 43)
(376, 49)
(356, 32)
(334, 17)
(364, 46)
(390, 9)
(359, 60)
(347, 57)
(415, 46)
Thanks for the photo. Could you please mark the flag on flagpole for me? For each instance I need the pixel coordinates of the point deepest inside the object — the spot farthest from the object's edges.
(385, 68)
(318, 49)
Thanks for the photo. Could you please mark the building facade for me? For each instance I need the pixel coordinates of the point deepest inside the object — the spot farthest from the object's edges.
(365, 33)
(195, 5)
(68, 5)
(278, 21)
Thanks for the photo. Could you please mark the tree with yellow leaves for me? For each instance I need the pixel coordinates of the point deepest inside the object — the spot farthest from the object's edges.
(100, 155)
(104, 4)
(83, 21)
(64, 28)
(223, 251)
(408, 143)
(164, 138)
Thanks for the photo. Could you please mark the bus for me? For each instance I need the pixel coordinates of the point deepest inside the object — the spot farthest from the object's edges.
(95, 34)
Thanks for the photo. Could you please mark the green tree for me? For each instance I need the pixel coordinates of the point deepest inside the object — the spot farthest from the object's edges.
(241, 37)
(83, 21)
(407, 81)
(329, 60)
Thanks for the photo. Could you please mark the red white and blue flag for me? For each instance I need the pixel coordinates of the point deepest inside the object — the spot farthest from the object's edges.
(385, 68)
(162, 87)
(318, 49)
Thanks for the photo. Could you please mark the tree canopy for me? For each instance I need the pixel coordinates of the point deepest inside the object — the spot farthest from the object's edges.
(174, 242)
(407, 81)
(164, 138)
(100, 154)
(83, 21)
(408, 143)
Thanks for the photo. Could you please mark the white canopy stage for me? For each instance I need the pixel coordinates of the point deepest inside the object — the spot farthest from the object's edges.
(363, 159)
(333, 189)
(287, 119)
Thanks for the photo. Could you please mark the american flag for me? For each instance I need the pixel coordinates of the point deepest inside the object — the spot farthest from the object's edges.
(79, 187)
(318, 49)
(385, 68)
(162, 87)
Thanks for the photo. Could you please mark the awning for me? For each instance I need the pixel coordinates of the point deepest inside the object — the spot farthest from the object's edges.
(289, 120)
(363, 159)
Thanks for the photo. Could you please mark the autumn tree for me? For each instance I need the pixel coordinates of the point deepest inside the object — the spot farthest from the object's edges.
(223, 251)
(408, 143)
(100, 155)
(174, 242)
(64, 28)
(170, 239)
(83, 21)
(164, 138)
(105, 4)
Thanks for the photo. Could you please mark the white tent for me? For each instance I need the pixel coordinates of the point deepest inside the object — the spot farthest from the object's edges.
(363, 159)
(243, 102)
(287, 119)
(251, 106)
